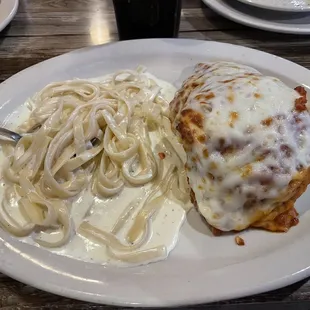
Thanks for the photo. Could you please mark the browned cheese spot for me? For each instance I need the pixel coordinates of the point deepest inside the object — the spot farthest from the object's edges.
(199, 97)
(260, 158)
(193, 117)
(209, 96)
(222, 142)
(185, 132)
(203, 66)
(227, 150)
(231, 97)
(228, 81)
(286, 150)
(267, 122)
(211, 176)
(194, 159)
(224, 149)
(300, 103)
(206, 153)
(301, 91)
(212, 165)
(202, 138)
(195, 84)
(233, 117)
(247, 170)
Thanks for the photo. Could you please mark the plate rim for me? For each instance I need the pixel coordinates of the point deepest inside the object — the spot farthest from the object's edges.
(275, 8)
(7, 248)
(254, 22)
(9, 18)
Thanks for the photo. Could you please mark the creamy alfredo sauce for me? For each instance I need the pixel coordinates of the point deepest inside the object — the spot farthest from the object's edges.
(104, 213)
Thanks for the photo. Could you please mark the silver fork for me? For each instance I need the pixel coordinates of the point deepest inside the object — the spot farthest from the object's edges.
(8, 134)
(14, 136)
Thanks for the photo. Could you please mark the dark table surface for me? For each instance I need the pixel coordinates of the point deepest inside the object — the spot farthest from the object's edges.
(46, 28)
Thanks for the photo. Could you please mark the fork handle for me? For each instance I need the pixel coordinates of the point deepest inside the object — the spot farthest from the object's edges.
(8, 134)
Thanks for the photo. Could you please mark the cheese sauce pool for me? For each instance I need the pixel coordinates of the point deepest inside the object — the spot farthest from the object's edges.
(103, 213)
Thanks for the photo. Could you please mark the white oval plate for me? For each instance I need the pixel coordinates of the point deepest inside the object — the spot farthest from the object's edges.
(281, 5)
(202, 268)
(8, 9)
(285, 22)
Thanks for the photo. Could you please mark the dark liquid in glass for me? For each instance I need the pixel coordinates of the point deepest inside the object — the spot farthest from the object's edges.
(147, 18)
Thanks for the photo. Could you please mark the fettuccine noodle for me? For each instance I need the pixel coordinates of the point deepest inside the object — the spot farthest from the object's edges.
(97, 135)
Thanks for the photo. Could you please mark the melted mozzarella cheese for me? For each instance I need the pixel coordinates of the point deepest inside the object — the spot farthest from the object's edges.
(256, 143)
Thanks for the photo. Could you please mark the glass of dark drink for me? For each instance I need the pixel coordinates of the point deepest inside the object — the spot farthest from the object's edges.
(138, 19)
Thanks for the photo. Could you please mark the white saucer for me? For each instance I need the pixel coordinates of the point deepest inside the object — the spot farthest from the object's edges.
(281, 5)
(285, 22)
(8, 9)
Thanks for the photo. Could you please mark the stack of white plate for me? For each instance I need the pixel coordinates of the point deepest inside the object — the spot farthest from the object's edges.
(288, 16)
(8, 9)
